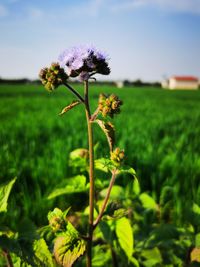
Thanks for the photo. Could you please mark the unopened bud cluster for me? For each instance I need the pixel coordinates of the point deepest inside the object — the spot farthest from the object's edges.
(110, 105)
(56, 220)
(53, 76)
(117, 156)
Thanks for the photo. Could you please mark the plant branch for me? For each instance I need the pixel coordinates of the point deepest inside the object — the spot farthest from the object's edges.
(106, 199)
(8, 258)
(91, 175)
(94, 115)
(74, 92)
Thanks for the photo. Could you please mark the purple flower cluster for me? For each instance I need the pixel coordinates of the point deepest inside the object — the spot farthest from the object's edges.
(84, 61)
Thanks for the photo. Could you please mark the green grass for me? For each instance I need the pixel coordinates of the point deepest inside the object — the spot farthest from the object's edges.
(159, 130)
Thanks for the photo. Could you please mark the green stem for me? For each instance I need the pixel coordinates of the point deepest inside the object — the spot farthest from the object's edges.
(105, 200)
(74, 92)
(91, 175)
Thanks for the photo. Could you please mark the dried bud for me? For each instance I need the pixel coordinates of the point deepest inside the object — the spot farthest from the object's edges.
(52, 77)
(117, 156)
(109, 105)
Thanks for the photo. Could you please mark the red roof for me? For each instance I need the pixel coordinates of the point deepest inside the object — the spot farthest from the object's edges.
(186, 78)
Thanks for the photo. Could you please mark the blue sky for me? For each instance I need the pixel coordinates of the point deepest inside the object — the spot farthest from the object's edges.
(146, 39)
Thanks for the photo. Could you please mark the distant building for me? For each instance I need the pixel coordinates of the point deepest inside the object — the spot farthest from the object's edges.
(120, 84)
(181, 82)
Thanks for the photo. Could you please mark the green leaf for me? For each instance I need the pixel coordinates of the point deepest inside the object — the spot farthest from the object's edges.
(70, 106)
(136, 187)
(109, 132)
(114, 211)
(100, 256)
(197, 240)
(42, 254)
(196, 209)
(124, 234)
(134, 262)
(78, 158)
(117, 193)
(68, 249)
(4, 194)
(104, 164)
(127, 170)
(148, 202)
(152, 256)
(74, 185)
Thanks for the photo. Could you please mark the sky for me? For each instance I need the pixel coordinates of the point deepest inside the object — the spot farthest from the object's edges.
(145, 39)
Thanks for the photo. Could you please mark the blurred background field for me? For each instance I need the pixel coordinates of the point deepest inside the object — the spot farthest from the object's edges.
(159, 130)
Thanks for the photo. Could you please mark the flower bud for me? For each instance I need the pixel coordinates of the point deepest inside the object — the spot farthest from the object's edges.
(56, 220)
(109, 105)
(53, 76)
(117, 156)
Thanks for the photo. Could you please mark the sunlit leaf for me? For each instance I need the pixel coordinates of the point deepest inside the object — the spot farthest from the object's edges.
(124, 234)
(103, 164)
(117, 193)
(4, 194)
(127, 170)
(152, 256)
(195, 255)
(148, 202)
(68, 249)
(70, 106)
(109, 131)
(74, 185)
(42, 254)
(134, 262)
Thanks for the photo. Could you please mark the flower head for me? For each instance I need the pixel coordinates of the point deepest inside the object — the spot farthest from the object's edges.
(84, 61)
(53, 76)
(109, 105)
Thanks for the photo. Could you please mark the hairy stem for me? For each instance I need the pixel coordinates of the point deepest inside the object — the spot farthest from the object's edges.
(106, 199)
(8, 258)
(91, 174)
(74, 92)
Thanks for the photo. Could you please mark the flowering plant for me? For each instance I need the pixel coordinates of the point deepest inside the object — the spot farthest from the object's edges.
(84, 62)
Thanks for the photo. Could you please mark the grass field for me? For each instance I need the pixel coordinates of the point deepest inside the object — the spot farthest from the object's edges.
(158, 129)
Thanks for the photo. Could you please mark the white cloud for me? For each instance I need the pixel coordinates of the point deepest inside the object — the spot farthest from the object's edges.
(3, 11)
(186, 6)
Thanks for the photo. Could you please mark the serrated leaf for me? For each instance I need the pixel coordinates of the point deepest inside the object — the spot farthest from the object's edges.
(42, 254)
(148, 202)
(104, 164)
(4, 194)
(70, 106)
(109, 132)
(124, 234)
(74, 185)
(68, 249)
